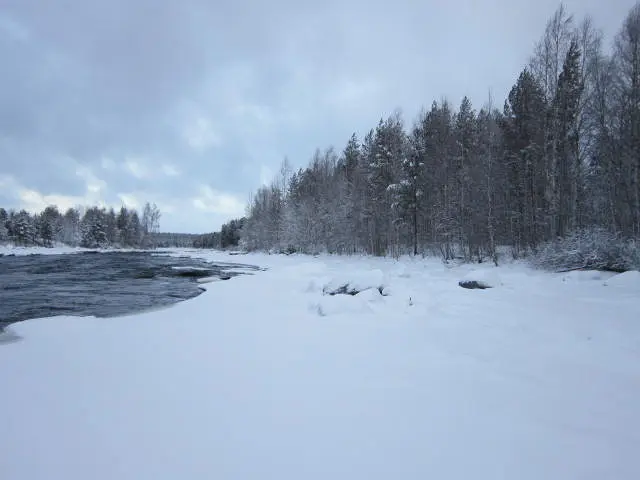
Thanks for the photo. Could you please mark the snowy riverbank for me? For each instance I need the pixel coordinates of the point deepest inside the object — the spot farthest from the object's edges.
(263, 376)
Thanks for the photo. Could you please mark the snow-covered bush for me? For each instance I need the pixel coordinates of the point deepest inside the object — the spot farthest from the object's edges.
(593, 248)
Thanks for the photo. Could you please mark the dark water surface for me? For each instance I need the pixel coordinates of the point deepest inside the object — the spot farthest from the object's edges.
(99, 284)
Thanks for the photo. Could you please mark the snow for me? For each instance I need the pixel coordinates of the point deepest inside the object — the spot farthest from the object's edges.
(57, 250)
(539, 378)
(629, 280)
(208, 279)
(587, 276)
(190, 269)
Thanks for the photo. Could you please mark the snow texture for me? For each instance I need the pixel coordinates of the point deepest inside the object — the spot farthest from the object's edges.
(539, 378)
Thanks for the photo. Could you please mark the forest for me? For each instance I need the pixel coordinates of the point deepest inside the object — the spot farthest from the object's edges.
(92, 227)
(556, 167)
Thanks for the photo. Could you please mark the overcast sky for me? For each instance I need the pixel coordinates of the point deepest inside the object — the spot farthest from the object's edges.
(193, 104)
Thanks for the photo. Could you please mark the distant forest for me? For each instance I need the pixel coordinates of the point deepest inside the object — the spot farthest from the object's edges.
(99, 227)
(560, 159)
(91, 227)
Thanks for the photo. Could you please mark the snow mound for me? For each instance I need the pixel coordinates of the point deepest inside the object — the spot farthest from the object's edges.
(354, 282)
(10, 250)
(481, 279)
(371, 295)
(586, 276)
(630, 279)
(360, 303)
(317, 284)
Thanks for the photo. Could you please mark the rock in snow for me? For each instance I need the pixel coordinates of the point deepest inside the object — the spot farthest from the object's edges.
(473, 284)
(480, 279)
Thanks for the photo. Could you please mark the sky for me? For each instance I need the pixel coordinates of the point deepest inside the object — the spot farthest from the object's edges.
(194, 104)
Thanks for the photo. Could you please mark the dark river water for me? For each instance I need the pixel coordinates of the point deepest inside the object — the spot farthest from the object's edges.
(100, 284)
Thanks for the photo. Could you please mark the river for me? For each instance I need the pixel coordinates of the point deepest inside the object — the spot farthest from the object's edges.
(100, 284)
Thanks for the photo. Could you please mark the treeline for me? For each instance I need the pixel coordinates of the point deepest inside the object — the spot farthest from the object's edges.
(91, 227)
(227, 237)
(562, 155)
(169, 239)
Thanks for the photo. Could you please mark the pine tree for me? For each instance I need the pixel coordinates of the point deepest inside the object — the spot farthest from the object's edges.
(524, 134)
(569, 181)
(627, 104)
(122, 222)
(23, 228)
(490, 181)
(49, 225)
(545, 67)
(4, 231)
(384, 157)
(352, 177)
(133, 230)
(111, 226)
(408, 192)
(438, 153)
(93, 229)
(465, 169)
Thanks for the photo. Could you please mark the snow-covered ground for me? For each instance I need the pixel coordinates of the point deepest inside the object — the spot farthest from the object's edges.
(266, 376)
(7, 249)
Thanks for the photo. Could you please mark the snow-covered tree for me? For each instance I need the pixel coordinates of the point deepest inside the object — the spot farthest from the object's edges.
(22, 228)
(4, 232)
(564, 154)
(407, 193)
(524, 136)
(49, 225)
(570, 173)
(150, 222)
(384, 154)
(70, 233)
(94, 228)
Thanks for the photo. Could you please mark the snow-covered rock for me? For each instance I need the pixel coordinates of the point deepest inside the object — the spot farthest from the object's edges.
(362, 302)
(386, 291)
(352, 283)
